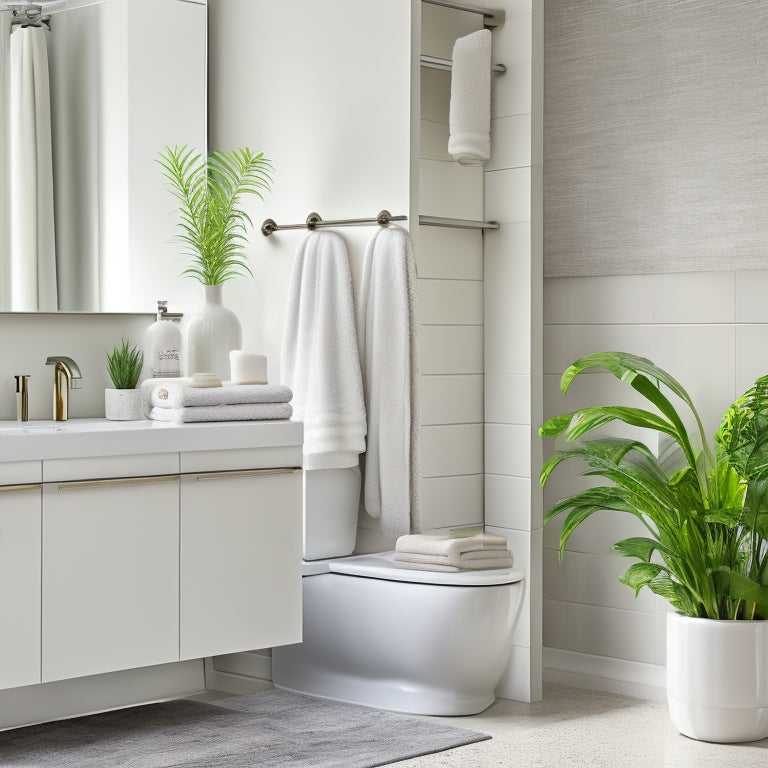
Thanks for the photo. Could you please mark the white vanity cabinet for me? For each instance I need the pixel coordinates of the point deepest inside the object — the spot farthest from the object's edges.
(129, 547)
(20, 576)
(110, 575)
(240, 545)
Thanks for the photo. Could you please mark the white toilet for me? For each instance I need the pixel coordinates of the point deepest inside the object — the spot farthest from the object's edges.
(422, 642)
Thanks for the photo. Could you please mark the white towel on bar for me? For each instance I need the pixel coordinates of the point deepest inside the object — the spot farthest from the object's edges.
(320, 360)
(176, 395)
(389, 351)
(469, 117)
(240, 412)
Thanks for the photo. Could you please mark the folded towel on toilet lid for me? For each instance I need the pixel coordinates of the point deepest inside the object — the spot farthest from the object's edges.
(481, 550)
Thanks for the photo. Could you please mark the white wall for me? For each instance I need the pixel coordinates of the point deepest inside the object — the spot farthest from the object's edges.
(344, 148)
(513, 311)
(710, 331)
(26, 340)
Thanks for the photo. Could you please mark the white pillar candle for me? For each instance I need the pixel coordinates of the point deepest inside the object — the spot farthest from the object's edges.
(247, 368)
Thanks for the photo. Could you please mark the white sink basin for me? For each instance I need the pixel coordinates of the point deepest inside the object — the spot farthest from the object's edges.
(29, 429)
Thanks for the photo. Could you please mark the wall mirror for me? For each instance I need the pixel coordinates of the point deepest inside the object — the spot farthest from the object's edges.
(125, 78)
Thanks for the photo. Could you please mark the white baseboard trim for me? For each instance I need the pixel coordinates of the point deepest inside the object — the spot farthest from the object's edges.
(62, 699)
(602, 673)
(238, 673)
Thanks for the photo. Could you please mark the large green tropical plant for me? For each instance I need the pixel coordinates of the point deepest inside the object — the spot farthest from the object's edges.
(212, 223)
(706, 551)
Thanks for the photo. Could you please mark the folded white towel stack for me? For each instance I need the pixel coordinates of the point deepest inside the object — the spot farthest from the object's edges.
(240, 412)
(469, 116)
(443, 552)
(181, 400)
(388, 328)
(320, 360)
(173, 395)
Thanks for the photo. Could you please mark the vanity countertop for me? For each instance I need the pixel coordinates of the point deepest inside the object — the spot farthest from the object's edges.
(41, 440)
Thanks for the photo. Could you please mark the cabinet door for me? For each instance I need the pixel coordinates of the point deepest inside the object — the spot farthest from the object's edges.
(240, 561)
(19, 585)
(110, 575)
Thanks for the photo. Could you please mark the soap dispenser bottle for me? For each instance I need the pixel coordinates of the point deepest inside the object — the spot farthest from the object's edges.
(162, 345)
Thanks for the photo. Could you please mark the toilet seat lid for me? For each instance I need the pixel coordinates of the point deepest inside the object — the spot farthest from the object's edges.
(383, 566)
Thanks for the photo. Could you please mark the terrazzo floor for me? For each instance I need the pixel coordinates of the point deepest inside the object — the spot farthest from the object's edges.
(572, 727)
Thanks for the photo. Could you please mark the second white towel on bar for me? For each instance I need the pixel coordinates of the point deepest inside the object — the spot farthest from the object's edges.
(389, 352)
(320, 360)
(469, 116)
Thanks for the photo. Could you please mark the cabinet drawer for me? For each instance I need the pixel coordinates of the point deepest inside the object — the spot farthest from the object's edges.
(19, 472)
(95, 467)
(241, 458)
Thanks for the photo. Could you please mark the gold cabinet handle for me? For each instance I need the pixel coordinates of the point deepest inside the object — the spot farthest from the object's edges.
(19, 488)
(117, 481)
(246, 473)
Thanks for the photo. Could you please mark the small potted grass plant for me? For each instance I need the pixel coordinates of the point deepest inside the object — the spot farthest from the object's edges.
(124, 364)
(705, 510)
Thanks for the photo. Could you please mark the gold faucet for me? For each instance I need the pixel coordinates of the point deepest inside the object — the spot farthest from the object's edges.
(22, 397)
(65, 371)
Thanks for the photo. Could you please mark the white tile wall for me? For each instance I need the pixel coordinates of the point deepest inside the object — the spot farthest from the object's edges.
(708, 330)
(451, 302)
(451, 501)
(452, 399)
(451, 254)
(513, 349)
(451, 349)
(451, 190)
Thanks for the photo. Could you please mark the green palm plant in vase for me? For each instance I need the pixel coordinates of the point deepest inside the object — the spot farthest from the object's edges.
(213, 227)
(705, 511)
(212, 223)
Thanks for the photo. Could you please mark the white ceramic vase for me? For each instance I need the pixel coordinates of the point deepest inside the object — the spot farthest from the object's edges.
(717, 678)
(210, 333)
(123, 404)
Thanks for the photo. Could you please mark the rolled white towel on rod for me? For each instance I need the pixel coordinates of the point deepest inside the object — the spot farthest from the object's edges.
(469, 118)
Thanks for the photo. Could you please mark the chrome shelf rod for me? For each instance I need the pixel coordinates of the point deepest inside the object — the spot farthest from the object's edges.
(446, 65)
(491, 17)
(439, 221)
(314, 221)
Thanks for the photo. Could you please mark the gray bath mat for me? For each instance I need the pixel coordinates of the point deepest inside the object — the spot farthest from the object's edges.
(272, 729)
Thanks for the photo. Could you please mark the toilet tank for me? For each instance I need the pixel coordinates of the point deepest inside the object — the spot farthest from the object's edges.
(331, 500)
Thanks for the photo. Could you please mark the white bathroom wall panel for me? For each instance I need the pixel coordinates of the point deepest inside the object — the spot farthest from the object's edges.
(450, 302)
(451, 349)
(513, 344)
(451, 449)
(451, 501)
(450, 254)
(450, 190)
(452, 399)
(683, 323)
(26, 340)
(340, 143)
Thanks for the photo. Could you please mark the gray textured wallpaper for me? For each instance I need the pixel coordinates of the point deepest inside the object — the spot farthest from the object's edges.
(655, 136)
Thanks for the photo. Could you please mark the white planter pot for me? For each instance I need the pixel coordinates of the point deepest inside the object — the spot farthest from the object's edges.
(717, 678)
(123, 404)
